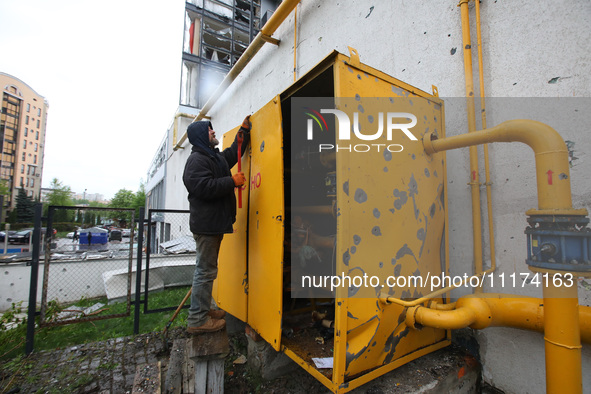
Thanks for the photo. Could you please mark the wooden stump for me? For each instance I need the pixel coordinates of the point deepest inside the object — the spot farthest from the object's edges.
(208, 352)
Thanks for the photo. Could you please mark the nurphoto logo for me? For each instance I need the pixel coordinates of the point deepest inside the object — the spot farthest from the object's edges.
(392, 125)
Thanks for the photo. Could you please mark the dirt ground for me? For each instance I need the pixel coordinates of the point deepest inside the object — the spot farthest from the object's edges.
(111, 366)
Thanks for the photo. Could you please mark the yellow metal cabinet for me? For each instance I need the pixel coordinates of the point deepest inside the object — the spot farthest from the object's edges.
(265, 229)
(379, 212)
(231, 289)
(391, 222)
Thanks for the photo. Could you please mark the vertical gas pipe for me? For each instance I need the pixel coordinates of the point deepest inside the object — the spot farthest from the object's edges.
(487, 183)
(556, 241)
(474, 176)
(562, 338)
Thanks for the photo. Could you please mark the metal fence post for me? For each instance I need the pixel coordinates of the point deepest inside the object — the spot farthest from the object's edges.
(138, 273)
(30, 342)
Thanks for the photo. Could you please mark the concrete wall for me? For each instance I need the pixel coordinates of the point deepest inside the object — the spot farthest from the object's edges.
(531, 49)
(176, 194)
(69, 281)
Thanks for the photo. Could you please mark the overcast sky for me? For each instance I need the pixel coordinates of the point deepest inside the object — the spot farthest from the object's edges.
(110, 71)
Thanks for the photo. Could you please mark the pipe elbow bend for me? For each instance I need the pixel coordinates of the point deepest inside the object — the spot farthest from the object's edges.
(480, 309)
(469, 312)
(539, 136)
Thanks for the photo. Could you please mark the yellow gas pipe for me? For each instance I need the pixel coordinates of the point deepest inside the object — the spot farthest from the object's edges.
(175, 127)
(474, 172)
(487, 183)
(551, 155)
(561, 318)
(494, 310)
(562, 340)
(295, 41)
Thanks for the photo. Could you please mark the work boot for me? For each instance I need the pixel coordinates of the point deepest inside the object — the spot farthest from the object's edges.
(216, 313)
(211, 325)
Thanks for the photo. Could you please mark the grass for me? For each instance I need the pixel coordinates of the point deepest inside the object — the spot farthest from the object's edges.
(12, 342)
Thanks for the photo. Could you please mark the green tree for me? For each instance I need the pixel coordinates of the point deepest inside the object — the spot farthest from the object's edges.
(139, 200)
(25, 207)
(4, 189)
(123, 199)
(60, 195)
(101, 215)
(5, 192)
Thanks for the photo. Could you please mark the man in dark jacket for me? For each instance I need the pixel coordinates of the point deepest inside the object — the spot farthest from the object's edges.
(210, 184)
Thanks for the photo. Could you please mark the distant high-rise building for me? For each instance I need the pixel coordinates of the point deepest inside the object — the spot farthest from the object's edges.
(23, 120)
(216, 33)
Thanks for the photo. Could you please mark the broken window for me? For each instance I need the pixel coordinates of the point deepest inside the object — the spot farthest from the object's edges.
(192, 37)
(217, 32)
(217, 8)
(189, 82)
(216, 46)
(198, 3)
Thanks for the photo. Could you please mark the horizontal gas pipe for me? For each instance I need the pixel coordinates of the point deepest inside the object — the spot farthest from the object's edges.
(480, 311)
(257, 43)
(551, 155)
(561, 323)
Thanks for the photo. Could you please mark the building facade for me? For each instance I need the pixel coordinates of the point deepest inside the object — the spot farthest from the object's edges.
(216, 34)
(23, 124)
(528, 73)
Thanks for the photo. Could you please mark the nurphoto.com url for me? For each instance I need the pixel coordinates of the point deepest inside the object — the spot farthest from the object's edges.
(435, 282)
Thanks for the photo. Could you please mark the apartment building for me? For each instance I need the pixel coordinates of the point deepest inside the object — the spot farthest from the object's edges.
(23, 122)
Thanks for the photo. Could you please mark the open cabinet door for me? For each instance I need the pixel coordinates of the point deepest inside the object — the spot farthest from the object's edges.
(266, 217)
(230, 290)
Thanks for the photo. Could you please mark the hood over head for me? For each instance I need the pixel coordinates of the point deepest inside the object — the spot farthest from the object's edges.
(198, 134)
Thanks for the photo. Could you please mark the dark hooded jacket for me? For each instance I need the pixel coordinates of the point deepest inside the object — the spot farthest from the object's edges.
(208, 180)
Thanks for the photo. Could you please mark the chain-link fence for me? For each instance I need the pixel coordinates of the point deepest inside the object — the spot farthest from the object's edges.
(88, 268)
(89, 271)
(170, 257)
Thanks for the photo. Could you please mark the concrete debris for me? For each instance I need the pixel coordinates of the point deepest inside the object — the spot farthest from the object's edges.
(75, 312)
(180, 245)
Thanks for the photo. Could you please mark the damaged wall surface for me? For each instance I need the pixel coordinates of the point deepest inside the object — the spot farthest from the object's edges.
(530, 72)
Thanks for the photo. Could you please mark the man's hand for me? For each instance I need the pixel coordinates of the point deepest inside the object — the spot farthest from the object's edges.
(246, 125)
(238, 179)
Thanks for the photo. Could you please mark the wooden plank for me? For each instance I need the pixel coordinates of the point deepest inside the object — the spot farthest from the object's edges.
(208, 346)
(201, 377)
(215, 376)
(188, 375)
(209, 377)
(174, 374)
